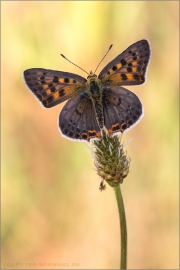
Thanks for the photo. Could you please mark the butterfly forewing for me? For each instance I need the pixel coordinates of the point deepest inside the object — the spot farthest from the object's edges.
(52, 87)
(122, 109)
(77, 119)
(129, 67)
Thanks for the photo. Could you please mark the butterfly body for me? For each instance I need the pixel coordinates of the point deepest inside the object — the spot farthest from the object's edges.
(95, 90)
(98, 102)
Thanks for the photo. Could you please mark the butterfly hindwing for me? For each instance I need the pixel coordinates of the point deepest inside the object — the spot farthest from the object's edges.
(122, 109)
(129, 67)
(52, 87)
(77, 120)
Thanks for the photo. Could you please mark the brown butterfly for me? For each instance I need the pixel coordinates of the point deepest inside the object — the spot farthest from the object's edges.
(98, 102)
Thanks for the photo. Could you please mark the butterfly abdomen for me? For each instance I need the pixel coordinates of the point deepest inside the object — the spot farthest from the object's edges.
(96, 96)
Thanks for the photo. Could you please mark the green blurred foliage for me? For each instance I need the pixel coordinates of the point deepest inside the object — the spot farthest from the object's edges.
(52, 209)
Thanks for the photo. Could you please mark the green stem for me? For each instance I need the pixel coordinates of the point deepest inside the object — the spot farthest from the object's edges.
(123, 229)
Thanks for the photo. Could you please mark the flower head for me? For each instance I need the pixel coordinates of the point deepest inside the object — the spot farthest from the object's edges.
(110, 159)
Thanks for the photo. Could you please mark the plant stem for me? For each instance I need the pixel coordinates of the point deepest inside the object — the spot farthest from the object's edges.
(123, 229)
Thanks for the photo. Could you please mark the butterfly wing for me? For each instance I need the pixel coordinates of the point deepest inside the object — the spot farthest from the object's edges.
(52, 87)
(77, 120)
(122, 109)
(129, 67)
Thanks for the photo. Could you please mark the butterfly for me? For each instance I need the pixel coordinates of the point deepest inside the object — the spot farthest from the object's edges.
(99, 102)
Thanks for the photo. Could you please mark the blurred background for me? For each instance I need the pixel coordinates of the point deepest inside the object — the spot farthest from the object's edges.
(53, 214)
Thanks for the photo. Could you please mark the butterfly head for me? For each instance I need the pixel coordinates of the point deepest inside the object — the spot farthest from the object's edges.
(92, 76)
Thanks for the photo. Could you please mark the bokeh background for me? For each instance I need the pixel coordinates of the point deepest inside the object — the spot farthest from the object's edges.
(53, 214)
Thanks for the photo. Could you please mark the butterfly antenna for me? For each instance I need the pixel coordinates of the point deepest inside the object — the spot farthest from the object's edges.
(74, 64)
(103, 57)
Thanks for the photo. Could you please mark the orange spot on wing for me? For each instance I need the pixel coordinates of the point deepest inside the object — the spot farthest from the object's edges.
(119, 65)
(98, 134)
(134, 63)
(93, 134)
(110, 131)
(61, 80)
(48, 92)
(56, 95)
(45, 86)
(129, 76)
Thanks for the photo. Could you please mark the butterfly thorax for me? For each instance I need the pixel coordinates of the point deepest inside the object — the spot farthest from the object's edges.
(96, 97)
